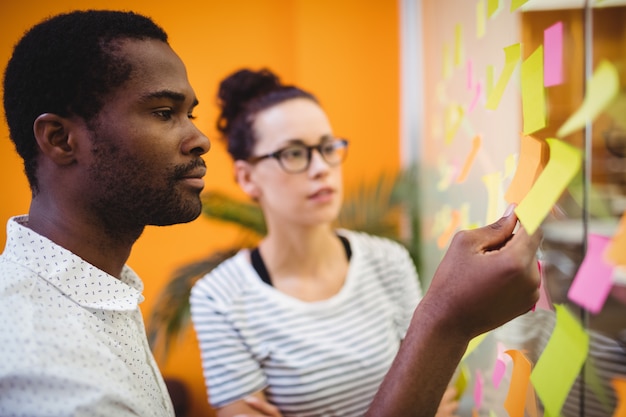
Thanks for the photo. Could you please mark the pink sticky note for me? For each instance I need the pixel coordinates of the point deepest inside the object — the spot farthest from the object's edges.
(553, 55)
(500, 366)
(592, 283)
(544, 302)
(478, 389)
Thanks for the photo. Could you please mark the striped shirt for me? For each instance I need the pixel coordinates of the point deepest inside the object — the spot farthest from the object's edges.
(323, 358)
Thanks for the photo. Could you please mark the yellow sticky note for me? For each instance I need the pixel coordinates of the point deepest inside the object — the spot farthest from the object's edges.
(534, 154)
(533, 93)
(600, 91)
(473, 344)
(616, 250)
(447, 62)
(560, 362)
(458, 45)
(453, 118)
(512, 56)
(469, 160)
(564, 163)
(492, 7)
(493, 182)
(480, 19)
(516, 4)
(516, 398)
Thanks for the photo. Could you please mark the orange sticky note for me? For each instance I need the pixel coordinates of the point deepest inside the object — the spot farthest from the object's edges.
(469, 160)
(534, 155)
(616, 250)
(455, 221)
(619, 384)
(520, 378)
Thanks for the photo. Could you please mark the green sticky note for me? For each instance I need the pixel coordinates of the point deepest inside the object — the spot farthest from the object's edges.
(560, 362)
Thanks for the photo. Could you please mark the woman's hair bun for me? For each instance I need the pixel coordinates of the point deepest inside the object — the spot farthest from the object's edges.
(238, 89)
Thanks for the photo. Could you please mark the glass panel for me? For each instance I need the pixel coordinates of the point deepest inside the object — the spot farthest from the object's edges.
(473, 143)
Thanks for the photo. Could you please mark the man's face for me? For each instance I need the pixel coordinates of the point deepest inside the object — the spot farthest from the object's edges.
(147, 167)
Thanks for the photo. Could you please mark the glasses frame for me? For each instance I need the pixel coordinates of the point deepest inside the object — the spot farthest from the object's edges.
(338, 142)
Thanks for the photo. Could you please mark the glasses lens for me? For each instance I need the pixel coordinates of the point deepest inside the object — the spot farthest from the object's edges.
(294, 158)
(334, 152)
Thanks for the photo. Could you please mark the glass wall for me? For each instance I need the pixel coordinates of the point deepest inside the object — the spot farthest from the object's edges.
(525, 102)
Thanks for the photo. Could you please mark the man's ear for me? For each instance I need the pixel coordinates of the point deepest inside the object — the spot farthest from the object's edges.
(54, 137)
(243, 176)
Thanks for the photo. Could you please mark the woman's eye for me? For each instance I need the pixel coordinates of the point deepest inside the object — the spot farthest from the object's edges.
(293, 153)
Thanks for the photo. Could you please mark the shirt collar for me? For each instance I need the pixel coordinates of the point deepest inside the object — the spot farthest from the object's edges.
(80, 281)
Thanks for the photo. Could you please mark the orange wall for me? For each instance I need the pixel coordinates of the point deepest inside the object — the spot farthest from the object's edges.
(345, 51)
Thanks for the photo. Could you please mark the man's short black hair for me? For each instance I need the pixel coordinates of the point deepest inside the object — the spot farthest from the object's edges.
(66, 65)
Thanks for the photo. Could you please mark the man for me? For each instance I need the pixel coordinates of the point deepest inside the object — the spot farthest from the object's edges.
(100, 109)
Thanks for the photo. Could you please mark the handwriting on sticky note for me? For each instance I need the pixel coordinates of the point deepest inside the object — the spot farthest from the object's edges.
(553, 55)
(520, 378)
(512, 56)
(564, 163)
(561, 361)
(533, 93)
(593, 282)
(600, 91)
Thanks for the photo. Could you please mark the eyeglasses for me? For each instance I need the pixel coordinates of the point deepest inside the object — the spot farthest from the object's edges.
(297, 158)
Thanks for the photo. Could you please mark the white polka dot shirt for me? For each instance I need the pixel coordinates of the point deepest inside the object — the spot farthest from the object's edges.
(72, 339)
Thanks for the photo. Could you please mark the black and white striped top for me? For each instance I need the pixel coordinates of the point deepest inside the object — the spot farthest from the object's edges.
(324, 358)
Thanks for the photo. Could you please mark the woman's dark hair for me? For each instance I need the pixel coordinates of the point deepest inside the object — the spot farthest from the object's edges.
(66, 65)
(241, 96)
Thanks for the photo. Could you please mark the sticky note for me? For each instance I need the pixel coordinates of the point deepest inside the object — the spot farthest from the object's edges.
(619, 384)
(461, 381)
(516, 4)
(473, 344)
(564, 163)
(458, 45)
(447, 62)
(561, 361)
(478, 388)
(469, 160)
(544, 302)
(600, 91)
(553, 55)
(593, 282)
(534, 155)
(477, 90)
(493, 182)
(516, 397)
(492, 7)
(453, 119)
(445, 237)
(512, 56)
(616, 250)
(500, 366)
(480, 19)
(533, 93)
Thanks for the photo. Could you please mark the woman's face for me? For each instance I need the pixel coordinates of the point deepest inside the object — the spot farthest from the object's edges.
(306, 198)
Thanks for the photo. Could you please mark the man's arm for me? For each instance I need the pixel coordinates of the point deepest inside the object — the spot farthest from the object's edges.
(487, 277)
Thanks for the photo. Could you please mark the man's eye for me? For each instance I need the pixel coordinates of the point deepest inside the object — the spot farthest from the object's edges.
(329, 149)
(164, 114)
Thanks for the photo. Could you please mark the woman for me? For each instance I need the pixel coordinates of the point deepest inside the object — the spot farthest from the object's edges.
(312, 318)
